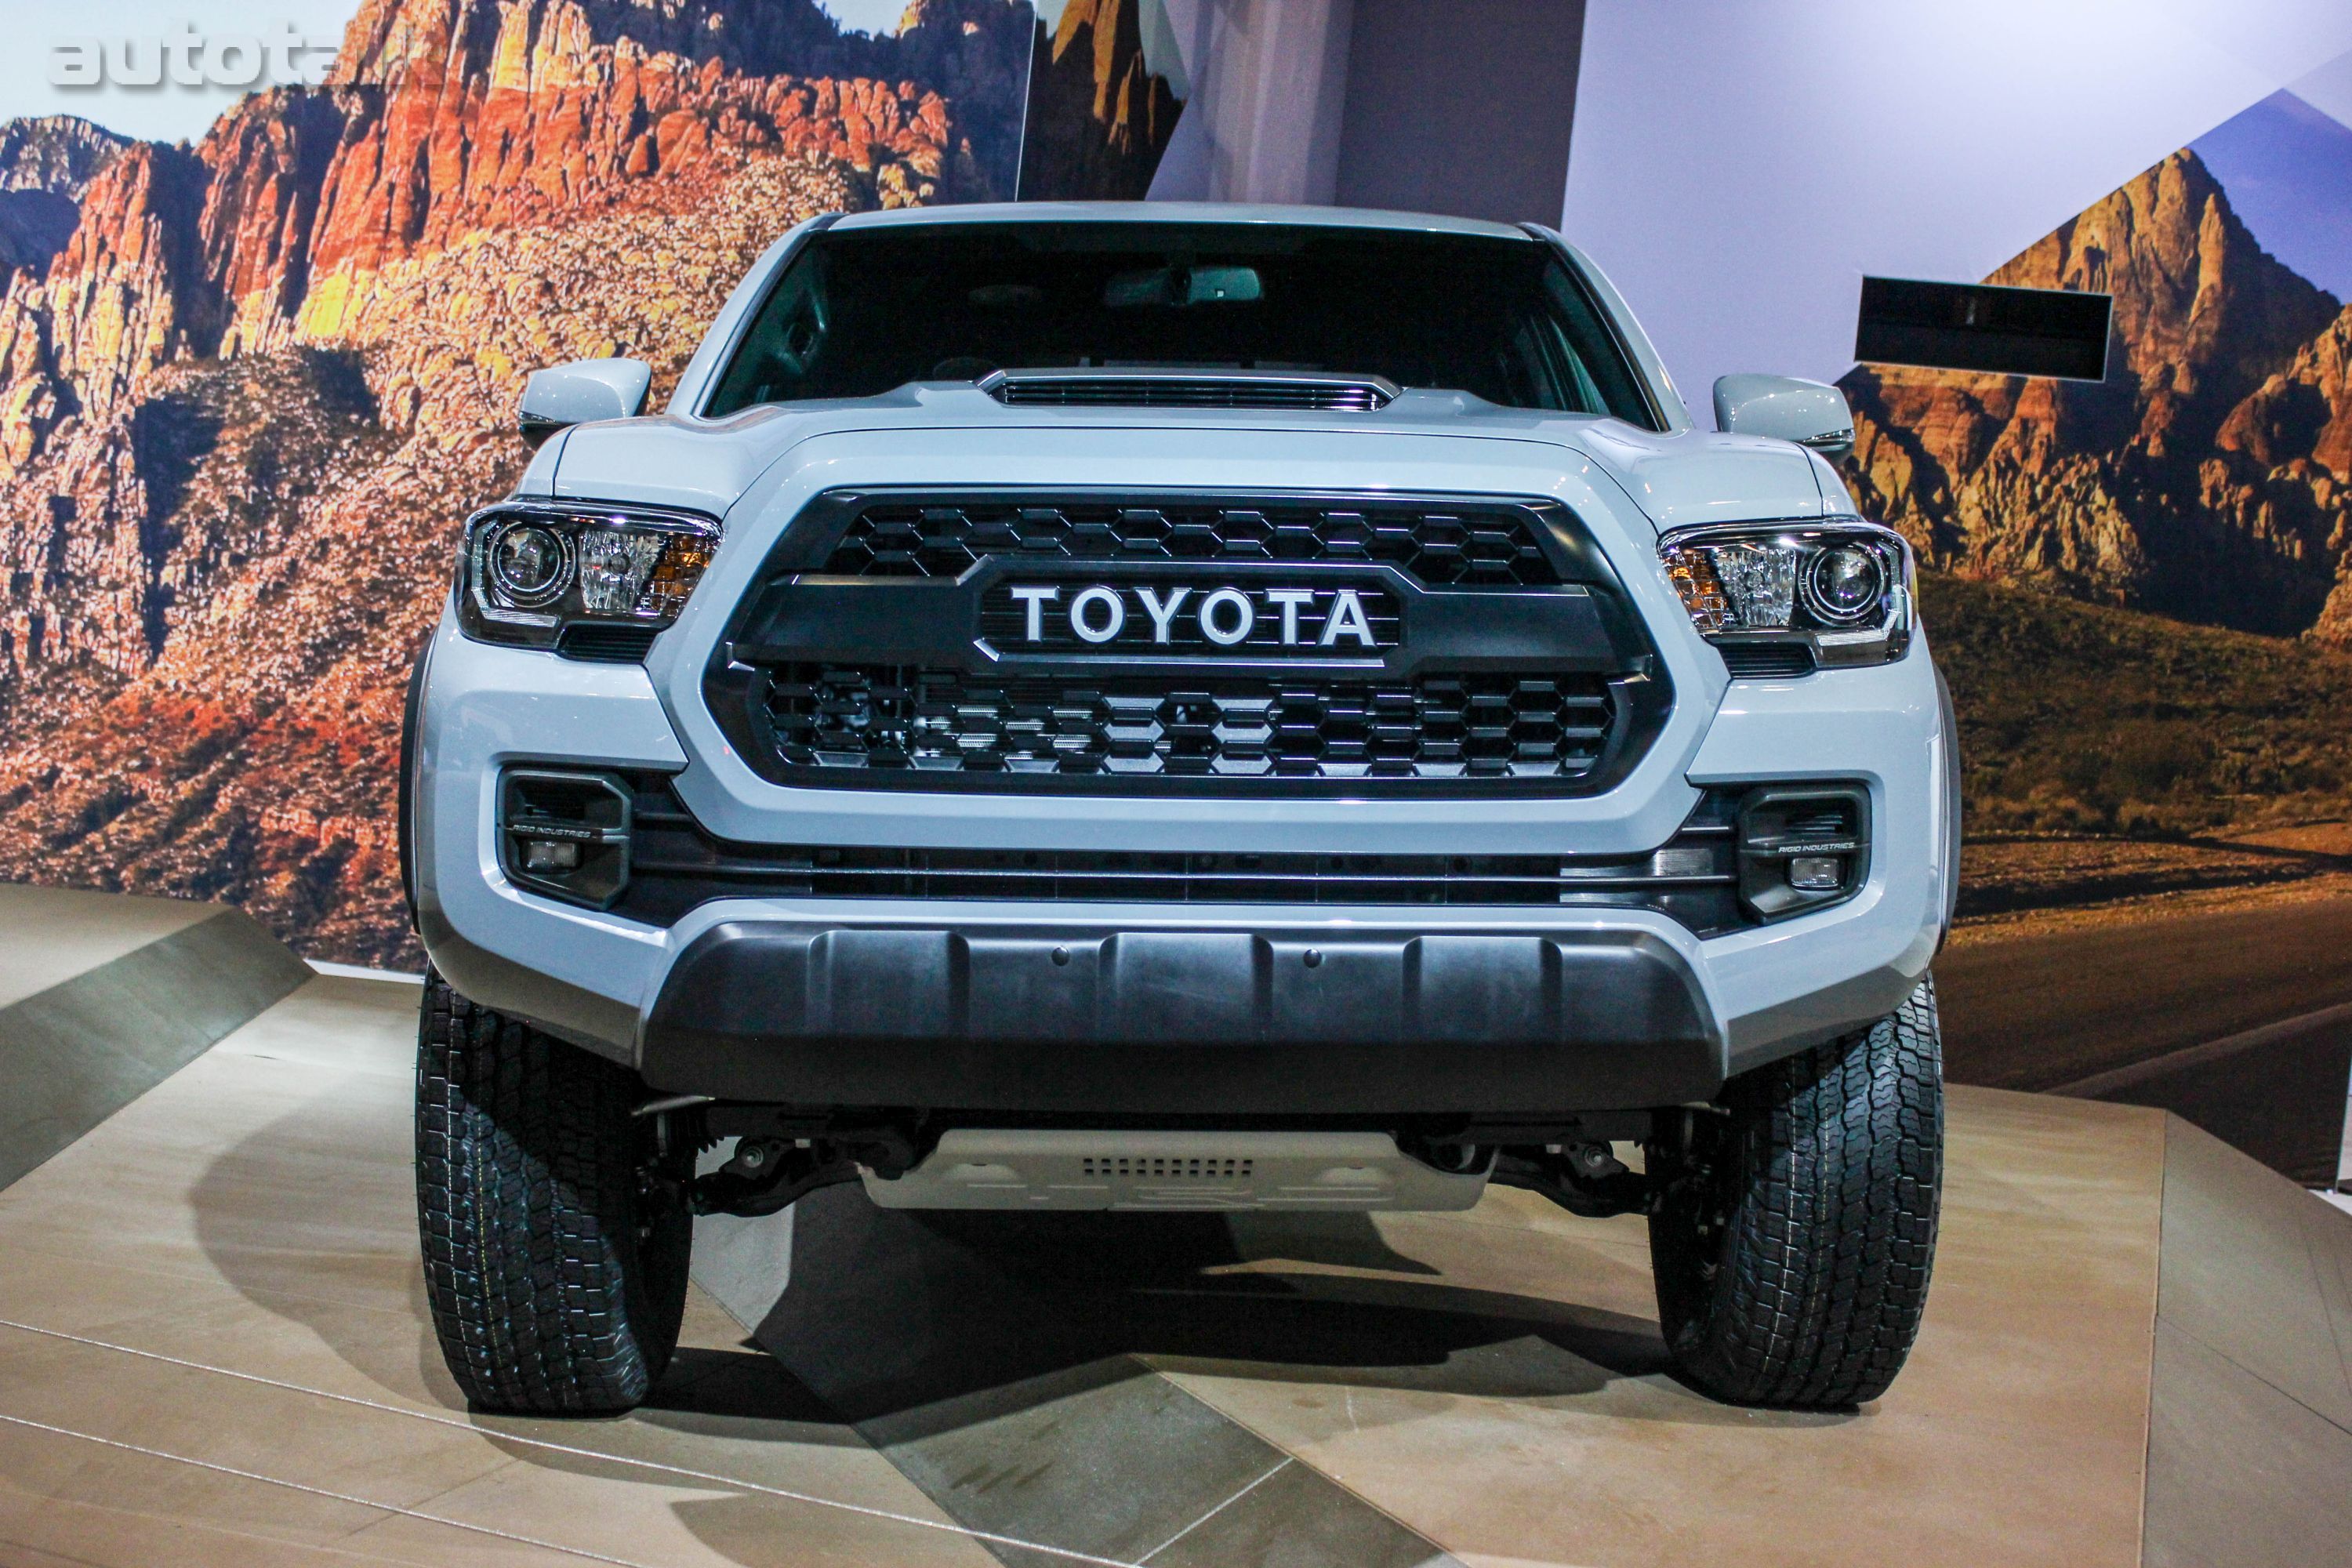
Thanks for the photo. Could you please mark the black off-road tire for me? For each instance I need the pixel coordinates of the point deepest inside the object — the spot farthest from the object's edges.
(1796, 1233)
(555, 1239)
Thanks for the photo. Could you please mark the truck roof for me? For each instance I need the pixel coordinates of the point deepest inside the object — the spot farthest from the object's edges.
(1179, 213)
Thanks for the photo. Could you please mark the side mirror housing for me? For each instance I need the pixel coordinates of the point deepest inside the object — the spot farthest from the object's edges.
(583, 390)
(1810, 413)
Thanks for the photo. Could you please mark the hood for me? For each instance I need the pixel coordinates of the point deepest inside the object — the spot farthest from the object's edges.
(1673, 481)
(1698, 477)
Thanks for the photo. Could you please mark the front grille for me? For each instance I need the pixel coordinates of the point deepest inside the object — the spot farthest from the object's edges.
(1392, 643)
(1439, 546)
(677, 865)
(1501, 725)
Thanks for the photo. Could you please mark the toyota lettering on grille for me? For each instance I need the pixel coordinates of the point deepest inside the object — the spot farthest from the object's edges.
(1199, 617)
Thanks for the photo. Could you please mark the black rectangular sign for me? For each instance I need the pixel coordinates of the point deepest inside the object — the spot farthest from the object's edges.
(2057, 332)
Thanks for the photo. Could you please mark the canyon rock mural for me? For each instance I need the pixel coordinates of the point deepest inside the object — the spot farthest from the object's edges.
(1098, 118)
(250, 388)
(2205, 478)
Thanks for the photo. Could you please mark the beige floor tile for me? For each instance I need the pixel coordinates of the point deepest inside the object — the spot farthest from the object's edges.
(725, 1410)
(367, 1353)
(2029, 1385)
(259, 1204)
(618, 1512)
(2251, 1267)
(42, 1472)
(428, 1543)
(726, 1413)
(388, 1457)
(88, 1537)
(341, 1023)
(254, 1215)
(273, 1175)
(52, 1532)
(56, 933)
(2239, 1472)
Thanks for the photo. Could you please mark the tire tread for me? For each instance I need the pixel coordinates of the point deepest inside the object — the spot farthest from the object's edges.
(1816, 1289)
(527, 1202)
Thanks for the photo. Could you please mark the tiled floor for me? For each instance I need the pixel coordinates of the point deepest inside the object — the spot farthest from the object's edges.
(2249, 1459)
(56, 933)
(141, 987)
(212, 1350)
(2016, 1435)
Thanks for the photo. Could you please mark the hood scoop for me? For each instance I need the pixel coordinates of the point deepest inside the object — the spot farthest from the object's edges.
(1189, 389)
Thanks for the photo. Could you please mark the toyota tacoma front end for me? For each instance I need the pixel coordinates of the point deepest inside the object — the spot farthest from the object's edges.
(1183, 708)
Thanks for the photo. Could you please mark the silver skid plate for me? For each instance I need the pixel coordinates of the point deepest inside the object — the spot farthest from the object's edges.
(980, 1169)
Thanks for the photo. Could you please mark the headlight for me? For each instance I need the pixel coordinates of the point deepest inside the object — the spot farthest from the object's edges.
(1780, 598)
(590, 582)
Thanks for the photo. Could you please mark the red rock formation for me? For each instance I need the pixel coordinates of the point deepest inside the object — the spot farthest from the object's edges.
(1098, 120)
(2152, 488)
(45, 164)
(243, 407)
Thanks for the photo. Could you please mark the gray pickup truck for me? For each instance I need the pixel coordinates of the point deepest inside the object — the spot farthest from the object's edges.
(1161, 708)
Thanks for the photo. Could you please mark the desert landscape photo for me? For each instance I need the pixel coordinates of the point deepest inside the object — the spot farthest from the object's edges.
(251, 386)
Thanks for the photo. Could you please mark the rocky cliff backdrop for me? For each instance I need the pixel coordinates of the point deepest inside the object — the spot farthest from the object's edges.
(249, 387)
(2205, 478)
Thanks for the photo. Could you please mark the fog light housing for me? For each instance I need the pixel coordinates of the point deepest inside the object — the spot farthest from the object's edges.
(546, 855)
(1816, 873)
(1802, 848)
(565, 835)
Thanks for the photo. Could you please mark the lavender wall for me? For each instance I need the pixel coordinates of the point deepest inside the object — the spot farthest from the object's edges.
(1462, 108)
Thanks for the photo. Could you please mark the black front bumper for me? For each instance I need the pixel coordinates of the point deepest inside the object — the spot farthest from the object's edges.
(1087, 1020)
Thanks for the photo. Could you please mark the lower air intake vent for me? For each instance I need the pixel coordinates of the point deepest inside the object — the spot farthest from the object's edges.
(1145, 389)
(1763, 661)
(606, 645)
(678, 865)
(1162, 1168)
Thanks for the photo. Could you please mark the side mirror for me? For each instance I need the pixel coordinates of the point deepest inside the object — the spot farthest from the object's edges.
(583, 390)
(1810, 413)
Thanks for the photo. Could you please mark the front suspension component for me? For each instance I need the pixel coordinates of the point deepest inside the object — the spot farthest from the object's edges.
(1583, 1178)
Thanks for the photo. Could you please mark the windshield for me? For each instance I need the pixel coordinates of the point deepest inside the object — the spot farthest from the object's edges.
(862, 310)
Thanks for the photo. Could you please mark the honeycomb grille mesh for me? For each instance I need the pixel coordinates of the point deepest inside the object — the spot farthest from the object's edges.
(1435, 726)
(1441, 547)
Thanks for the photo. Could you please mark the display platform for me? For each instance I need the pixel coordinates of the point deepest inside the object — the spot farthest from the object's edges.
(213, 1349)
